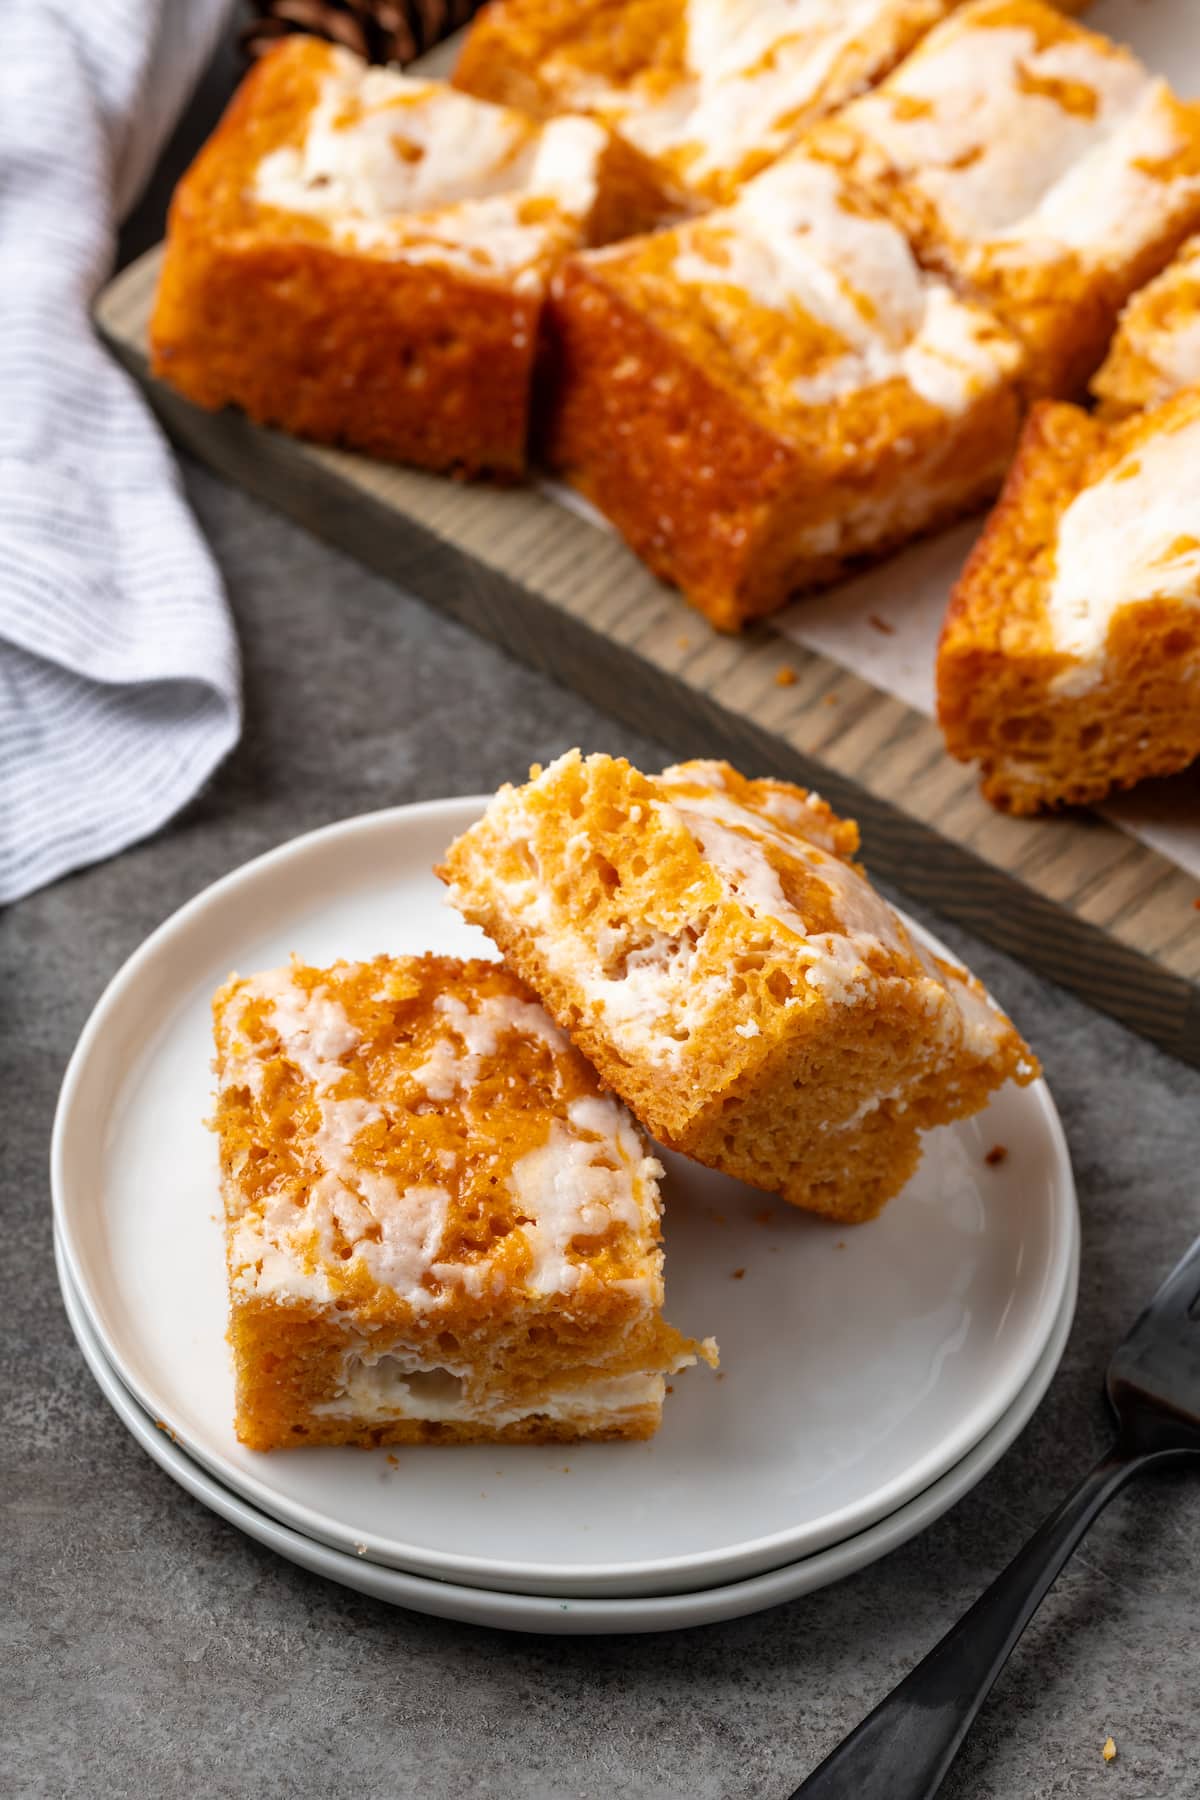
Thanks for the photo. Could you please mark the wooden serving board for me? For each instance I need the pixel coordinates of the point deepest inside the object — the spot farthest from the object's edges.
(1074, 897)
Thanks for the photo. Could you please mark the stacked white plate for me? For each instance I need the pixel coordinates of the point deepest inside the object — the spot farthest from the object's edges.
(869, 1376)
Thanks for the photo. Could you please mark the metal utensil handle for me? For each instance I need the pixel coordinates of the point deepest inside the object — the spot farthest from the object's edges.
(902, 1750)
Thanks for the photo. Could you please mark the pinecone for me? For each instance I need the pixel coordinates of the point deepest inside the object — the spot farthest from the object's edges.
(382, 31)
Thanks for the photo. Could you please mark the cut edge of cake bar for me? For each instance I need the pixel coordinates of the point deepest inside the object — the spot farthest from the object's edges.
(361, 257)
(1069, 661)
(716, 952)
(763, 397)
(1156, 350)
(439, 1227)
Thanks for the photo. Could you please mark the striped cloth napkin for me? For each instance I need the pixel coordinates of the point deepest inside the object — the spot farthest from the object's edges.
(119, 690)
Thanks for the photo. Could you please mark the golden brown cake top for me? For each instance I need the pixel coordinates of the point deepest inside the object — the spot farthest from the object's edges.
(787, 857)
(728, 900)
(1024, 136)
(1156, 350)
(803, 297)
(591, 44)
(414, 1134)
(322, 147)
(711, 90)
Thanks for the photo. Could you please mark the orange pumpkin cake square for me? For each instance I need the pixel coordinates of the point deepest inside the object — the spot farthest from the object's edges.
(759, 398)
(1035, 162)
(439, 1227)
(1156, 350)
(713, 947)
(1069, 663)
(361, 258)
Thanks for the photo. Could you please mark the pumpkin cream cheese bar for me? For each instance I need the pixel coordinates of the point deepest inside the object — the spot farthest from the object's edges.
(759, 398)
(1156, 350)
(439, 1226)
(361, 257)
(712, 946)
(1069, 662)
(1035, 163)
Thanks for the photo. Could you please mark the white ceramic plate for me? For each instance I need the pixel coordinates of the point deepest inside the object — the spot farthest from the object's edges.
(859, 1365)
(542, 1613)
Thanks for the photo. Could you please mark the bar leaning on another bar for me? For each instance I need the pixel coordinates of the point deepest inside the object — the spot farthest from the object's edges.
(712, 947)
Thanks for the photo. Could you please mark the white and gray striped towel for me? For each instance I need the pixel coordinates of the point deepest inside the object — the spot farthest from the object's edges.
(119, 689)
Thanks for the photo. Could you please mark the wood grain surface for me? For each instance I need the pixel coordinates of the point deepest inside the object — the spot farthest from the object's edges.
(1073, 896)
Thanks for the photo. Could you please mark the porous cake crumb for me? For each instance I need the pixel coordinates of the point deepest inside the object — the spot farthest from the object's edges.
(361, 257)
(439, 1226)
(1156, 350)
(763, 397)
(1069, 663)
(657, 916)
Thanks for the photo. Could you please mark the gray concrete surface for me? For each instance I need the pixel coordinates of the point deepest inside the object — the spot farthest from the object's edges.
(150, 1649)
